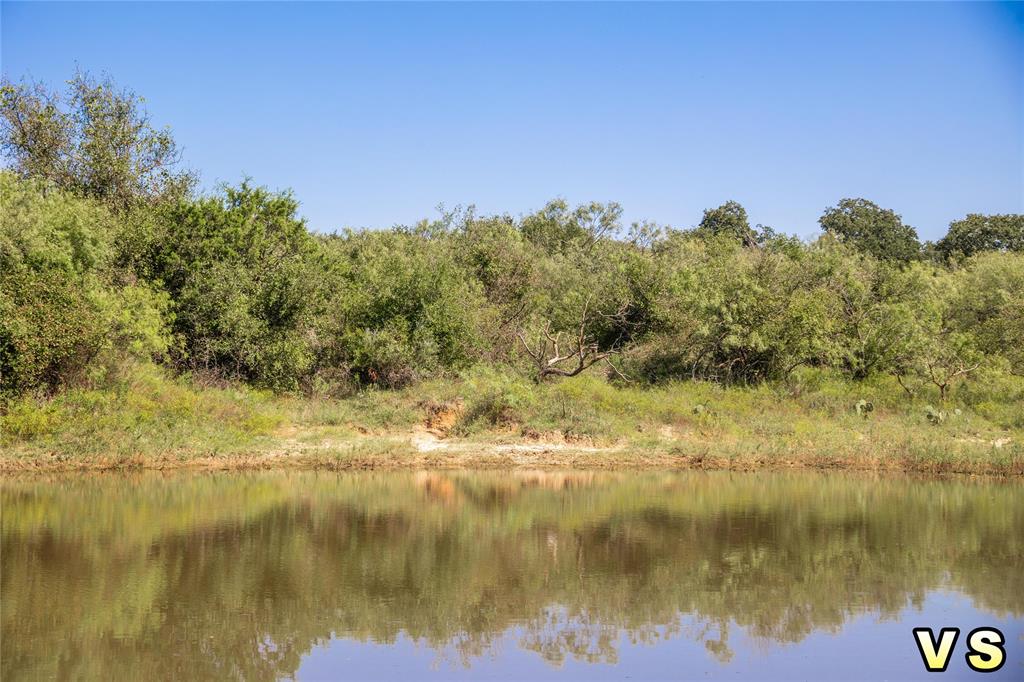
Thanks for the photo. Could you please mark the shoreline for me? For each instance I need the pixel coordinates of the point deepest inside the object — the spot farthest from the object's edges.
(155, 421)
(416, 453)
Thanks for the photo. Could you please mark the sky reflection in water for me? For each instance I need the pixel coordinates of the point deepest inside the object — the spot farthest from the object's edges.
(502, 575)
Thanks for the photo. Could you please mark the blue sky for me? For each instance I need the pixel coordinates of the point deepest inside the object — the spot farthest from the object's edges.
(376, 113)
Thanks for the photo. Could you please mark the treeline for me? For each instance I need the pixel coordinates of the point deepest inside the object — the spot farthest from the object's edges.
(109, 255)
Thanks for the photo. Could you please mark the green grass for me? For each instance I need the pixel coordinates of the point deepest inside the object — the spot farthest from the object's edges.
(144, 414)
(812, 420)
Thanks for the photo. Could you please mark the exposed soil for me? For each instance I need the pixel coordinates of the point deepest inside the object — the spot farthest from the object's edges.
(428, 447)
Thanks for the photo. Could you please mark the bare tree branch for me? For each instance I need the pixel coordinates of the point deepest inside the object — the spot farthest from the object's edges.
(551, 359)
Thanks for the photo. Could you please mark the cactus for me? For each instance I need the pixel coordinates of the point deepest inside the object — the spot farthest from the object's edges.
(864, 408)
(702, 410)
(936, 417)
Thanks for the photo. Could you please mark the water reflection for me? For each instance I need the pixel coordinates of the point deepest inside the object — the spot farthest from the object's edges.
(243, 576)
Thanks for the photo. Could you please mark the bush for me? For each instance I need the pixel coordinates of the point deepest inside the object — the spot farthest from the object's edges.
(399, 308)
(736, 314)
(494, 398)
(50, 330)
(991, 305)
(242, 271)
(233, 286)
(65, 313)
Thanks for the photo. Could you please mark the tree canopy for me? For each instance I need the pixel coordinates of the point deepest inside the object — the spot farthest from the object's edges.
(977, 233)
(107, 253)
(95, 140)
(730, 220)
(871, 229)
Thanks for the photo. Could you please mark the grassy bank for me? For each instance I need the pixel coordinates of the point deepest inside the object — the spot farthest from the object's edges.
(147, 420)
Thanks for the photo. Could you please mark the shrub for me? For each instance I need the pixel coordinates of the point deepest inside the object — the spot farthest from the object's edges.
(64, 310)
(494, 398)
(399, 307)
(991, 305)
(50, 330)
(241, 270)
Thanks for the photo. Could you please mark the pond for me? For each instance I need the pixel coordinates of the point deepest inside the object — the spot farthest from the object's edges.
(524, 575)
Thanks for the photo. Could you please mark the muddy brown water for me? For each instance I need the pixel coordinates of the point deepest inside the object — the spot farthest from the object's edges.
(522, 575)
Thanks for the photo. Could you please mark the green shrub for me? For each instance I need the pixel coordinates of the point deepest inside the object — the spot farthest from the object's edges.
(65, 314)
(990, 305)
(495, 398)
(400, 308)
(241, 270)
(50, 330)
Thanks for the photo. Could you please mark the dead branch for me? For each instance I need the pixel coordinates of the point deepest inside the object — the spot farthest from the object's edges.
(579, 353)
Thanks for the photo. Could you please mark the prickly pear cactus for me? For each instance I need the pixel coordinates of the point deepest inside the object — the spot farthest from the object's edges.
(864, 408)
(702, 410)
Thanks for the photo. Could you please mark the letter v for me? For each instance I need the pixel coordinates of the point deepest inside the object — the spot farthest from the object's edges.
(936, 654)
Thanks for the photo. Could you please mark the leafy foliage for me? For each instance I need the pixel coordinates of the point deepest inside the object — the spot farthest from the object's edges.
(240, 268)
(872, 229)
(399, 306)
(95, 140)
(107, 256)
(991, 306)
(63, 309)
(977, 233)
(730, 220)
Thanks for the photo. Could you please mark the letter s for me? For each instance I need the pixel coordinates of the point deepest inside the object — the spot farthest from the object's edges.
(985, 650)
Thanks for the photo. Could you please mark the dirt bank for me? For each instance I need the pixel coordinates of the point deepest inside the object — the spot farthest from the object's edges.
(431, 448)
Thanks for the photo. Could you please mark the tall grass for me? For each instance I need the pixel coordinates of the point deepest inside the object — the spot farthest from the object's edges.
(812, 419)
(143, 413)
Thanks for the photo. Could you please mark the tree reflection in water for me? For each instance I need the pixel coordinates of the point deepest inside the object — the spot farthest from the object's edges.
(202, 576)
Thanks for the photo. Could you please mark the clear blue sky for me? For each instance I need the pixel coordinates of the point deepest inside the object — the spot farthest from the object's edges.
(376, 113)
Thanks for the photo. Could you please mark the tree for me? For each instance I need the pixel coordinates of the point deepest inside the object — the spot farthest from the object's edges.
(729, 219)
(556, 229)
(736, 315)
(95, 140)
(945, 352)
(879, 321)
(501, 259)
(872, 229)
(977, 233)
(400, 306)
(951, 358)
(991, 305)
(243, 272)
(65, 313)
(550, 351)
